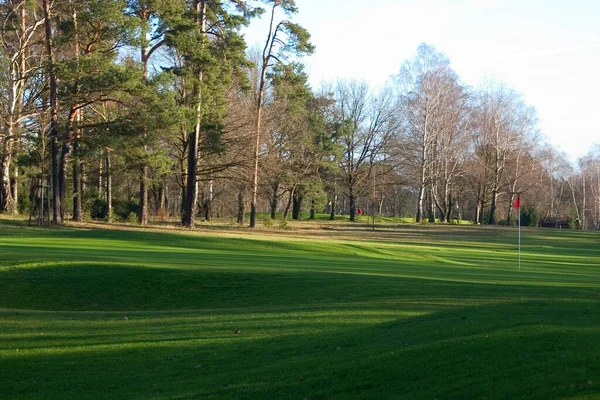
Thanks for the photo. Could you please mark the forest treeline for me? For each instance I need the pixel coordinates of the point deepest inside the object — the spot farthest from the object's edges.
(156, 108)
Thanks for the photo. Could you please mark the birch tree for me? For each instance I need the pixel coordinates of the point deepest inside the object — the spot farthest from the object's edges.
(20, 25)
(429, 103)
(504, 127)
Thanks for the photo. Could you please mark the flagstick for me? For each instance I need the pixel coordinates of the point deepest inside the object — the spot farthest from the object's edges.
(519, 237)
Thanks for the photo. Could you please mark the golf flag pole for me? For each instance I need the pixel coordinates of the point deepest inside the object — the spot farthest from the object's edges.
(518, 207)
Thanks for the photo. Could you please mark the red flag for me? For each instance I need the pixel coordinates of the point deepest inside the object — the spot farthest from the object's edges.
(518, 201)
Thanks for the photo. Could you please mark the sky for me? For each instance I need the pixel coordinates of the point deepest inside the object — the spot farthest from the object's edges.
(547, 50)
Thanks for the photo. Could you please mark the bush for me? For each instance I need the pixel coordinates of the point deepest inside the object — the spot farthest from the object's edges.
(530, 217)
(24, 204)
(123, 208)
(87, 216)
(98, 209)
(283, 224)
(268, 222)
(132, 219)
(574, 223)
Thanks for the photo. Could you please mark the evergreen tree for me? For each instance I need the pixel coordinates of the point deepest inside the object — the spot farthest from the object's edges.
(213, 51)
(284, 40)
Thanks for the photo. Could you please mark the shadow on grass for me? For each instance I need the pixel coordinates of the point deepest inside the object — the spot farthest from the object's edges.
(530, 350)
(114, 287)
(303, 334)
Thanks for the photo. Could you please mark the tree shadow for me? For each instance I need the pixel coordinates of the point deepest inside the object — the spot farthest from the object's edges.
(537, 349)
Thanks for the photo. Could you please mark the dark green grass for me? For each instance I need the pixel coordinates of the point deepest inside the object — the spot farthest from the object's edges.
(405, 312)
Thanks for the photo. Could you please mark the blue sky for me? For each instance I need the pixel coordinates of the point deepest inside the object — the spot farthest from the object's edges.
(548, 50)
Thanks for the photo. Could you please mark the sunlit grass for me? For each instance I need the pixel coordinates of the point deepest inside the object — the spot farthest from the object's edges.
(411, 312)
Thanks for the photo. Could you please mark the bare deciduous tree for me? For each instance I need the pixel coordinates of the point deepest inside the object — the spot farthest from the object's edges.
(365, 123)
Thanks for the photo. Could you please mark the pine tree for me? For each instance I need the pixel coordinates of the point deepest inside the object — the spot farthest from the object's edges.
(284, 40)
(213, 52)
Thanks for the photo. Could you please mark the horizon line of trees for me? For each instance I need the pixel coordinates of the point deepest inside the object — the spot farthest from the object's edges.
(146, 109)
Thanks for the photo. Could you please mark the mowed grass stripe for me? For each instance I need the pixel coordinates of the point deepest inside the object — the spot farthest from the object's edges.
(406, 313)
(471, 265)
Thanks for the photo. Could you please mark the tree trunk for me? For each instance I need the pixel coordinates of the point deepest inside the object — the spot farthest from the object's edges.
(275, 199)
(77, 209)
(431, 206)
(166, 203)
(74, 133)
(191, 192)
(241, 207)
(297, 207)
(63, 167)
(6, 200)
(352, 199)
(332, 210)
(312, 210)
(510, 209)
(208, 210)
(53, 130)
(423, 182)
(492, 218)
(479, 204)
(256, 153)
(78, 172)
(419, 215)
(182, 188)
(56, 200)
(109, 211)
(208, 202)
(162, 199)
(14, 184)
(83, 176)
(447, 211)
(289, 203)
(8, 204)
(100, 187)
(143, 213)
(450, 207)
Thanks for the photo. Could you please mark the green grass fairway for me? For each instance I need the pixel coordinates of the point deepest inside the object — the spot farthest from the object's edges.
(332, 312)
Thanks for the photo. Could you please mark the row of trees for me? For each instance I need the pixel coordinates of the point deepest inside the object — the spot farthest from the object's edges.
(156, 107)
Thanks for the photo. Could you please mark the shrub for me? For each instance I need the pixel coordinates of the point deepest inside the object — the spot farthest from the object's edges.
(98, 209)
(24, 204)
(530, 216)
(87, 216)
(574, 223)
(123, 208)
(132, 218)
(268, 222)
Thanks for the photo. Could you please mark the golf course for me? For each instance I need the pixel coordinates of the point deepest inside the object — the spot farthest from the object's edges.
(320, 310)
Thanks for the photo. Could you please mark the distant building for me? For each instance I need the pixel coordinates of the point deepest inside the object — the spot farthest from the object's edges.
(554, 222)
